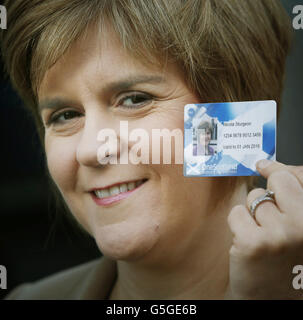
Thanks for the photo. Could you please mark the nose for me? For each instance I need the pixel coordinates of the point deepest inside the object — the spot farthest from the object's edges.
(87, 148)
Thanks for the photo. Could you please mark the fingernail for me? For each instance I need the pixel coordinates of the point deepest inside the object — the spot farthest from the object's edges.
(262, 164)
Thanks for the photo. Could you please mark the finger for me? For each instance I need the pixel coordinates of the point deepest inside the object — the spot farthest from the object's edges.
(286, 182)
(266, 213)
(243, 227)
(267, 167)
(288, 192)
(240, 221)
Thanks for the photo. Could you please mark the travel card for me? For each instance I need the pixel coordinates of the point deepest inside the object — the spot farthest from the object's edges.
(228, 139)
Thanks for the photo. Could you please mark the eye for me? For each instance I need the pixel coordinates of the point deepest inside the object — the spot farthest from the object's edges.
(135, 100)
(63, 117)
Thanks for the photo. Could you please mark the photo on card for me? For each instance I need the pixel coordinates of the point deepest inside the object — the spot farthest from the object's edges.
(205, 138)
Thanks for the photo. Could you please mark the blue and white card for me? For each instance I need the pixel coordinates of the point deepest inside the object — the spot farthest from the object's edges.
(228, 139)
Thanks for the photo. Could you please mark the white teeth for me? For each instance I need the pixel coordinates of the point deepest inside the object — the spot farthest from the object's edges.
(114, 190)
(131, 186)
(102, 193)
(124, 187)
(97, 193)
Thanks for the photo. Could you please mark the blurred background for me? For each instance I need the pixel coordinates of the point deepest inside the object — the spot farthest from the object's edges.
(33, 242)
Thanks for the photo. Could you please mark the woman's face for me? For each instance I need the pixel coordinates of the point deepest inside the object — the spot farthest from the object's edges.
(95, 85)
(205, 137)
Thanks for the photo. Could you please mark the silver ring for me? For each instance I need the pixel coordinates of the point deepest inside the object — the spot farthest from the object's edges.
(268, 196)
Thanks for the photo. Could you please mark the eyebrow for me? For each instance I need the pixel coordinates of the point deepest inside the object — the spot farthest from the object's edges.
(114, 86)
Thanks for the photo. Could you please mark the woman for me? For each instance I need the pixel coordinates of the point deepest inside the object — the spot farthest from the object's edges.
(204, 133)
(82, 66)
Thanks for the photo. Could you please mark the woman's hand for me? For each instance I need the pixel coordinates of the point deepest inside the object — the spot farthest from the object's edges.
(266, 249)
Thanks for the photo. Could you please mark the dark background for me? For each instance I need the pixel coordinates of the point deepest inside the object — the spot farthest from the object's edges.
(32, 243)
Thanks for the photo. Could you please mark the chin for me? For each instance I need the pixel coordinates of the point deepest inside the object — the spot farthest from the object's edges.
(126, 241)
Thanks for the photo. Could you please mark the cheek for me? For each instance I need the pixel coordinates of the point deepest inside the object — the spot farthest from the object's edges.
(61, 162)
(165, 131)
(62, 165)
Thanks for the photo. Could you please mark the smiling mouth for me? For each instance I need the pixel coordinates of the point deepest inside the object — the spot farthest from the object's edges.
(118, 188)
(116, 192)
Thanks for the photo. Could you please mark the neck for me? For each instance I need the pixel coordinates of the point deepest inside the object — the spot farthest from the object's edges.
(199, 271)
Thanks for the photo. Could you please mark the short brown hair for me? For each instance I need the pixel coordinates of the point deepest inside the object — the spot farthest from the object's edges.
(229, 50)
(205, 125)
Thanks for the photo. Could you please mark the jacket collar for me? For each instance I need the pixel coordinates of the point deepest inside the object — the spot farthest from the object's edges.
(99, 281)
